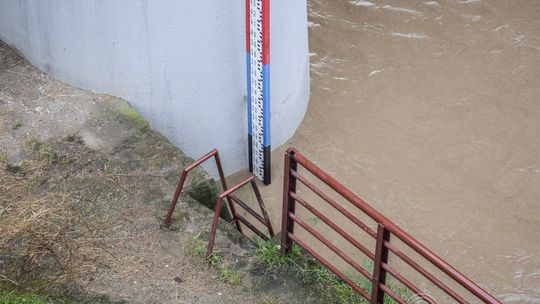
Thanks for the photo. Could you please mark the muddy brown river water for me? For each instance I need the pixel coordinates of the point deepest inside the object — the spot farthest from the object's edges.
(430, 111)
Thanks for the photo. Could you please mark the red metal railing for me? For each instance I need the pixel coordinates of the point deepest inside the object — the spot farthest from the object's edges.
(214, 153)
(385, 229)
(237, 218)
(231, 199)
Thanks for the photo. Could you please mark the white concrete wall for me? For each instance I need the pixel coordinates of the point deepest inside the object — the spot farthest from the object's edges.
(181, 63)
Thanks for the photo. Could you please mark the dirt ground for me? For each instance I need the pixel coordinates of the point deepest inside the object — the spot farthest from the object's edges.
(85, 183)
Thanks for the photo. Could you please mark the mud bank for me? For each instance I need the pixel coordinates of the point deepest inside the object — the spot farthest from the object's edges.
(84, 185)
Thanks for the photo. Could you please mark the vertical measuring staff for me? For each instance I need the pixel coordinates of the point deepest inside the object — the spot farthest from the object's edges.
(258, 86)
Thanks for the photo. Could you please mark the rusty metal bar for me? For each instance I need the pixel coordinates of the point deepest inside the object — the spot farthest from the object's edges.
(407, 283)
(379, 274)
(248, 209)
(224, 186)
(213, 230)
(390, 226)
(425, 273)
(391, 293)
(174, 201)
(217, 211)
(330, 246)
(238, 218)
(289, 185)
(262, 207)
(327, 264)
(331, 224)
(180, 185)
(333, 203)
(253, 228)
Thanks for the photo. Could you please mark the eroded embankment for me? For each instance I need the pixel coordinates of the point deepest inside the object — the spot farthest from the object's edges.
(84, 185)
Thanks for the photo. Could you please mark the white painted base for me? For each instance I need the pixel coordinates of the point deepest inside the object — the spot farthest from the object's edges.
(180, 63)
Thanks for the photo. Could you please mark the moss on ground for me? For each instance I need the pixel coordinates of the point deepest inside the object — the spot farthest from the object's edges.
(131, 116)
(205, 191)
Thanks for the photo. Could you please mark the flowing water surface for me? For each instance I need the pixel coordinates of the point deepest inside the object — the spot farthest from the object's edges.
(430, 111)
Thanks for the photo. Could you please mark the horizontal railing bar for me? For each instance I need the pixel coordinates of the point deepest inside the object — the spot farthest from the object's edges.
(201, 160)
(393, 228)
(328, 222)
(248, 209)
(319, 258)
(228, 192)
(183, 176)
(392, 294)
(331, 246)
(252, 228)
(407, 283)
(425, 273)
(333, 203)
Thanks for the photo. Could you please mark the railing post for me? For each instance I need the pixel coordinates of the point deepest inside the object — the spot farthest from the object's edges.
(174, 201)
(213, 230)
(379, 274)
(232, 210)
(289, 185)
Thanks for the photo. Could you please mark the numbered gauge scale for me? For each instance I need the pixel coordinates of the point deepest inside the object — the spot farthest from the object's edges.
(258, 87)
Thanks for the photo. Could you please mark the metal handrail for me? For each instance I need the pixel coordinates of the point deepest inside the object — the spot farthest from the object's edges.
(183, 176)
(237, 218)
(386, 228)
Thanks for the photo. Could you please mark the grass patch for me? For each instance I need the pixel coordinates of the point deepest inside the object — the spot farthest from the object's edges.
(29, 298)
(16, 125)
(268, 253)
(230, 275)
(42, 236)
(11, 294)
(214, 260)
(196, 246)
(320, 278)
(47, 156)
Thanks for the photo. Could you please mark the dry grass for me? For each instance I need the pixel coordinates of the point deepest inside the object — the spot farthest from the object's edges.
(41, 235)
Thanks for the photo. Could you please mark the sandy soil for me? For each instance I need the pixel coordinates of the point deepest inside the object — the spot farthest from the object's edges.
(429, 110)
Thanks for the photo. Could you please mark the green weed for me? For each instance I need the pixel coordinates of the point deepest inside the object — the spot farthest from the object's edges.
(325, 282)
(47, 156)
(230, 276)
(27, 298)
(214, 260)
(269, 254)
(16, 125)
(196, 247)
(11, 294)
